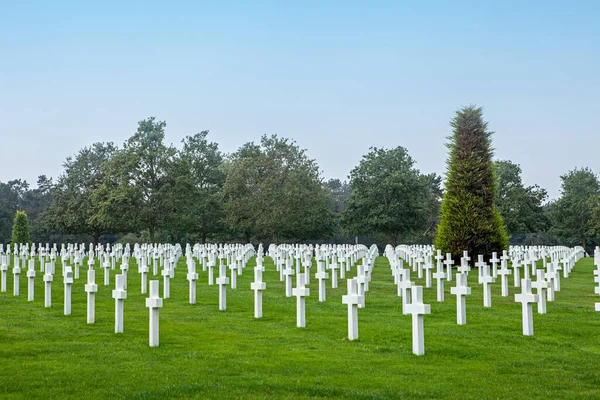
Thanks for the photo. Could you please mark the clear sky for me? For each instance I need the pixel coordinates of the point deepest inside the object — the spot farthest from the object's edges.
(336, 76)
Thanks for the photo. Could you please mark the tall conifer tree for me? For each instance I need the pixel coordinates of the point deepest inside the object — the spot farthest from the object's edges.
(20, 230)
(469, 219)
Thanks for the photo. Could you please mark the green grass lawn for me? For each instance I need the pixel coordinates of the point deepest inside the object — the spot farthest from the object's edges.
(206, 353)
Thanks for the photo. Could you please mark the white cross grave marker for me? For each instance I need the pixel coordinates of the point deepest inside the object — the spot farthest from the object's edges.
(3, 269)
(68, 283)
(258, 286)
(288, 272)
(541, 285)
(166, 273)
(300, 291)
(417, 309)
(48, 287)
(352, 299)
(448, 263)
(504, 272)
(16, 275)
(192, 277)
(31, 280)
(91, 288)
(486, 280)
(439, 276)
(526, 298)
(106, 267)
(461, 290)
(222, 281)
(404, 286)
(119, 294)
(321, 277)
(154, 303)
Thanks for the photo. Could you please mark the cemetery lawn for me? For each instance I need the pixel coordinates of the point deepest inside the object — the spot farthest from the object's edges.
(209, 354)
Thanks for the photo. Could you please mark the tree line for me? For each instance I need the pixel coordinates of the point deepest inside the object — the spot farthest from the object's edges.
(272, 191)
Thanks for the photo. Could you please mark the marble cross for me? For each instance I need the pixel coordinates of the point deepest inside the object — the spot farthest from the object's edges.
(68, 282)
(91, 288)
(352, 300)
(300, 291)
(461, 290)
(154, 303)
(119, 294)
(417, 309)
(258, 286)
(526, 298)
(541, 286)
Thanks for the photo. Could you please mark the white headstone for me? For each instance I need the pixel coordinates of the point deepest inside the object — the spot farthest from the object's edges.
(288, 272)
(352, 299)
(439, 276)
(300, 291)
(91, 288)
(31, 280)
(404, 286)
(16, 275)
(222, 281)
(119, 294)
(192, 277)
(486, 280)
(48, 287)
(504, 272)
(154, 303)
(461, 290)
(526, 298)
(541, 285)
(68, 282)
(417, 309)
(321, 277)
(3, 269)
(166, 274)
(258, 286)
(448, 263)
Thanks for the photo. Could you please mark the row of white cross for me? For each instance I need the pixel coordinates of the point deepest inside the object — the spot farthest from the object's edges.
(236, 258)
(154, 302)
(547, 282)
(597, 275)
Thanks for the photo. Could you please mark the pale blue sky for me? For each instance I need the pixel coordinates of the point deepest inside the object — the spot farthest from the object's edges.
(337, 76)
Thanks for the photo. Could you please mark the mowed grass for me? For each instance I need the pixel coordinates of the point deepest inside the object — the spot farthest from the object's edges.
(210, 354)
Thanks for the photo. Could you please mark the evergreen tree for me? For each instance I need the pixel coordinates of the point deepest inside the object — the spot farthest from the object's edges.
(20, 230)
(469, 219)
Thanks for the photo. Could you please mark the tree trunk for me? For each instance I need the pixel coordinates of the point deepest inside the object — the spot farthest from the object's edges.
(394, 239)
(203, 237)
(96, 237)
(151, 231)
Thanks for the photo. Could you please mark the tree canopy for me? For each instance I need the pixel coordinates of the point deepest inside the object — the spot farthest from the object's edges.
(574, 213)
(389, 196)
(20, 229)
(273, 190)
(470, 221)
(520, 207)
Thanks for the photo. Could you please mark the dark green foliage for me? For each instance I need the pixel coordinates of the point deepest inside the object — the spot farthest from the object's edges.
(135, 192)
(274, 191)
(76, 203)
(388, 196)
(521, 207)
(196, 179)
(470, 221)
(20, 230)
(575, 214)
